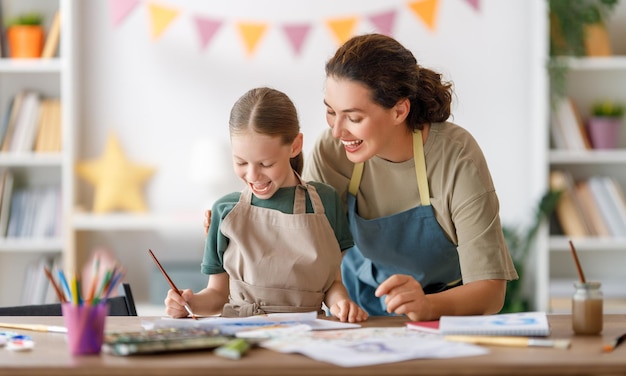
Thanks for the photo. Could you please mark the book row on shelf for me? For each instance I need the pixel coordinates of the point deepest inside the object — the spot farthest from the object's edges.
(31, 122)
(29, 212)
(567, 127)
(592, 207)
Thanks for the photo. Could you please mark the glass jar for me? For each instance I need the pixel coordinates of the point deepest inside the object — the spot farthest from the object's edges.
(587, 308)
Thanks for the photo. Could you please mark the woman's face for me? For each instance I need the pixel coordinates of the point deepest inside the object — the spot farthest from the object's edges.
(262, 162)
(364, 127)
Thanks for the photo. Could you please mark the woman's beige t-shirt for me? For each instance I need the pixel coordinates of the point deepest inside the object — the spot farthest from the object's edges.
(461, 189)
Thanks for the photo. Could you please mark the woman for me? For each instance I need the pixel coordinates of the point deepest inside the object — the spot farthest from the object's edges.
(421, 203)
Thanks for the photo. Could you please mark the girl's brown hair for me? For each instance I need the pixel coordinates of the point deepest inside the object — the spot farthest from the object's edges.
(270, 112)
(392, 74)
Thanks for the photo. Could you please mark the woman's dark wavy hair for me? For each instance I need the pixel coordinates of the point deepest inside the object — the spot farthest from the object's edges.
(392, 74)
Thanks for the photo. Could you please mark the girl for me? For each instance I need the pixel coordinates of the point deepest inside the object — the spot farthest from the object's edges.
(276, 246)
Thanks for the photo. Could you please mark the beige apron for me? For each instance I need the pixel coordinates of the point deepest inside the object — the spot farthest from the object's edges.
(279, 262)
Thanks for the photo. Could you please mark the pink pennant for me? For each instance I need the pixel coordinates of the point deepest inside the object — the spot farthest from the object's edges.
(207, 27)
(296, 35)
(120, 9)
(474, 4)
(384, 22)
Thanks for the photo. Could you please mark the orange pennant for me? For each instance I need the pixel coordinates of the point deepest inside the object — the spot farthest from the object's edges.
(251, 34)
(342, 28)
(160, 18)
(426, 10)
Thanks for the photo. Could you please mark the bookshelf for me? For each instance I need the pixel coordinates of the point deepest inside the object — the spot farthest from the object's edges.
(51, 78)
(602, 257)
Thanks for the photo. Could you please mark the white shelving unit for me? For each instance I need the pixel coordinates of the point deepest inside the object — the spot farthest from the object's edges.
(603, 258)
(51, 78)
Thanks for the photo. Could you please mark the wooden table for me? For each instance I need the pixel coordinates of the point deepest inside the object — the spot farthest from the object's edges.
(51, 357)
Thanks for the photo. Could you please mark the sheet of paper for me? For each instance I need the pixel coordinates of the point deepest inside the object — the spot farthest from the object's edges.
(369, 346)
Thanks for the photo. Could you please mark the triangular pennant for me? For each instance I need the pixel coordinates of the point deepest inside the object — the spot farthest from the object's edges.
(120, 9)
(207, 27)
(251, 32)
(160, 18)
(384, 22)
(475, 4)
(296, 35)
(426, 10)
(342, 28)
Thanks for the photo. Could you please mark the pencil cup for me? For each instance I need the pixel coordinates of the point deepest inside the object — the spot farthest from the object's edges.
(85, 327)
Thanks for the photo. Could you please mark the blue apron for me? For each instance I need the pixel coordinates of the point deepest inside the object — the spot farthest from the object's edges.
(411, 242)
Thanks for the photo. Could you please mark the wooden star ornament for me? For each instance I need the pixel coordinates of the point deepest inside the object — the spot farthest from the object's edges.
(116, 180)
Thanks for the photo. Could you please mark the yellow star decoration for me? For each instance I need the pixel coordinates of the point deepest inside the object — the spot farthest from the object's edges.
(116, 180)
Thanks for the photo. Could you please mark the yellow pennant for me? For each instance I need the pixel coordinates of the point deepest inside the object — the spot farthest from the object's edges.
(426, 10)
(160, 18)
(342, 28)
(251, 34)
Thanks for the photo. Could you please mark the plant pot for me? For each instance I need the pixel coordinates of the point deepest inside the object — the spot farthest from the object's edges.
(604, 132)
(25, 41)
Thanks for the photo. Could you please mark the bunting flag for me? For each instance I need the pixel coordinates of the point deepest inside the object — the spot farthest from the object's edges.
(120, 9)
(296, 34)
(384, 22)
(207, 27)
(475, 4)
(160, 18)
(426, 10)
(251, 32)
(342, 28)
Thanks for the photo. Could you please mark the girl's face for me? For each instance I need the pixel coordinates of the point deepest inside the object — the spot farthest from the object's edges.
(364, 127)
(262, 162)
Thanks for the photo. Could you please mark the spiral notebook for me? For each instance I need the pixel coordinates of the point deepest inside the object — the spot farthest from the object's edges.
(528, 324)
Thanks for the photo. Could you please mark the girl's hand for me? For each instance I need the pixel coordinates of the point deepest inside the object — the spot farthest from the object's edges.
(175, 304)
(347, 310)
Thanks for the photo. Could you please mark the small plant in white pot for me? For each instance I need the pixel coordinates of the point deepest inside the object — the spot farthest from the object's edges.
(605, 123)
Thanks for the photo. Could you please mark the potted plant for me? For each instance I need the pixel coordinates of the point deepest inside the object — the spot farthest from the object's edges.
(604, 124)
(520, 241)
(25, 35)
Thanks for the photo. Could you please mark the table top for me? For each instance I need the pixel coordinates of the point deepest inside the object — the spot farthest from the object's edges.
(51, 356)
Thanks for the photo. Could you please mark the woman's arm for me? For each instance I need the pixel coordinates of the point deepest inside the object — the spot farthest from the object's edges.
(406, 296)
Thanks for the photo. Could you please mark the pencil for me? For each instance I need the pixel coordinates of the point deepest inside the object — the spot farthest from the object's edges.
(56, 287)
(35, 327)
(172, 285)
(511, 341)
(616, 342)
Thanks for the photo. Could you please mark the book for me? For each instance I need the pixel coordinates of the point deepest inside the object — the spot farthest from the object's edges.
(568, 209)
(617, 196)
(13, 116)
(607, 206)
(424, 326)
(49, 129)
(5, 204)
(567, 121)
(52, 40)
(25, 129)
(529, 324)
(591, 209)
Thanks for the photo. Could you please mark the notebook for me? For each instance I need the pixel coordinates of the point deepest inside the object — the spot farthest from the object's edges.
(424, 326)
(528, 324)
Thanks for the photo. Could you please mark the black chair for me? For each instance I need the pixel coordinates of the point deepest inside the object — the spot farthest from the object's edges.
(122, 305)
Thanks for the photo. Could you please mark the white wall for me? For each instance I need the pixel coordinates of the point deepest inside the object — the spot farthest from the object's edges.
(162, 96)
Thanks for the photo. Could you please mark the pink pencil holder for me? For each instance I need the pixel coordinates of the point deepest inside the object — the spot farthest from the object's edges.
(85, 327)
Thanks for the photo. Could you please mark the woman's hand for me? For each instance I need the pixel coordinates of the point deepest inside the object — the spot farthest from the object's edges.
(207, 221)
(347, 310)
(175, 304)
(405, 296)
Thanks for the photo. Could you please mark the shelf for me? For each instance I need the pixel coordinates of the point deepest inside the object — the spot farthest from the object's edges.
(134, 222)
(31, 65)
(594, 63)
(22, 245)
(589, 244)
(587, 156)
(30, 159)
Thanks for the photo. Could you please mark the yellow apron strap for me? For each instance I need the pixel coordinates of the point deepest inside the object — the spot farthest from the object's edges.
(355, 180)
(420, 171)
(420, 167)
